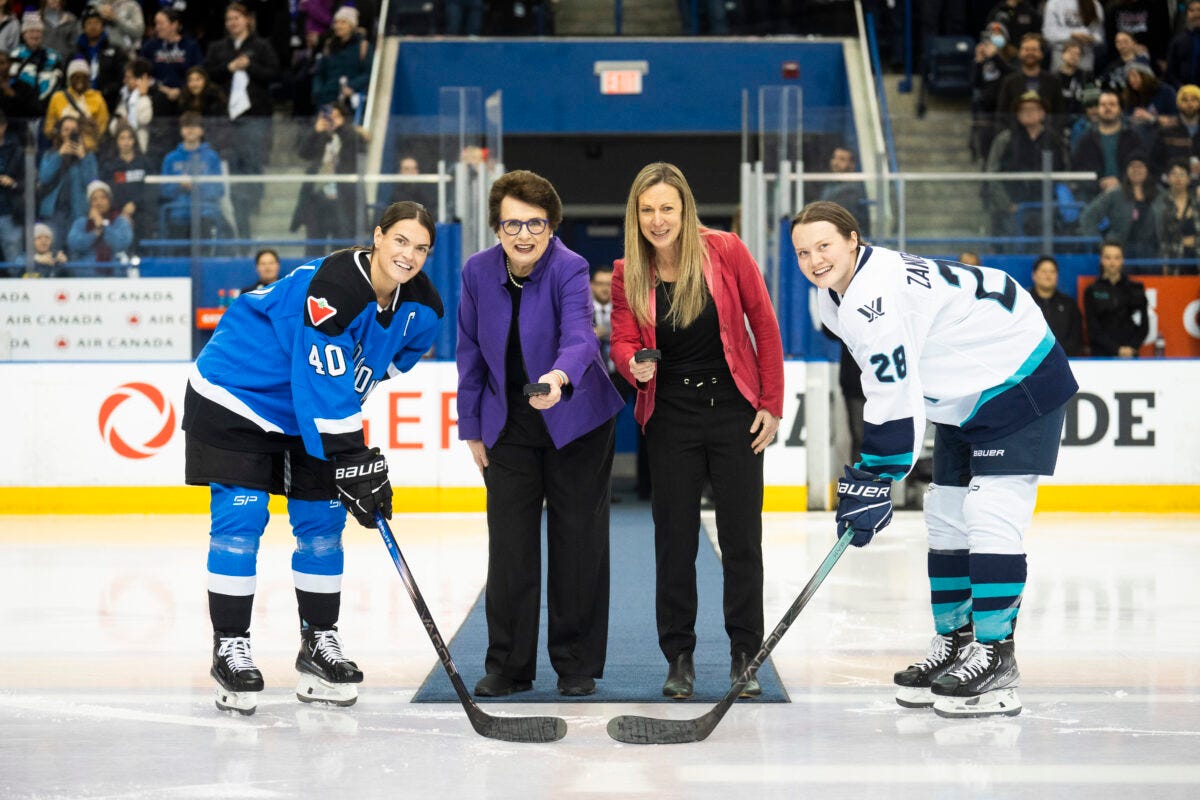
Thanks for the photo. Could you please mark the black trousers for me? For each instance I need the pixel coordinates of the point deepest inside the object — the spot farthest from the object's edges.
(574, 482)
(696, 434)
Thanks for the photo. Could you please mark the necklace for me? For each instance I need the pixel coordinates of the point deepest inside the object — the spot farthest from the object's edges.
(512, 278)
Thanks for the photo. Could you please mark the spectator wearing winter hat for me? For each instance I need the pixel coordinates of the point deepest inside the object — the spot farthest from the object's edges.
(104, 234)
(79, 99)
(46, 262)
(105, 60)
(343, 67)
(1148, 102)
(37, 65)
(1180, 140)
(62, 27)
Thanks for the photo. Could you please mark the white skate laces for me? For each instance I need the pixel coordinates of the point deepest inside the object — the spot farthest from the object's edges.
(327, 645)
(974, 662)
(939, 651)
(236, 652)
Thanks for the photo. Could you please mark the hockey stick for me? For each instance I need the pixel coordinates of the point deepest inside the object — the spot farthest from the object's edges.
(648, 730)
(508, 729)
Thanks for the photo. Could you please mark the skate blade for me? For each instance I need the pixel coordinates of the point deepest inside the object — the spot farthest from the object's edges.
(914, 697)
(312, 689)
(996, 703)
(243, 703)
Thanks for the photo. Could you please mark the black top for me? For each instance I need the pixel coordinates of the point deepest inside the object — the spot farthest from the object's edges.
(693, 351)
(524, 425)
(1065, 321)
(1116, 315)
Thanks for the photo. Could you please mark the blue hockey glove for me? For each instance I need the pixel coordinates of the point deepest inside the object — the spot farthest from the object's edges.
(363, 485)
(864, 504)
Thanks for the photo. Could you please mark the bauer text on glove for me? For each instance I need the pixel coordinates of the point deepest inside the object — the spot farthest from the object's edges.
(363, 486)
(864, 504)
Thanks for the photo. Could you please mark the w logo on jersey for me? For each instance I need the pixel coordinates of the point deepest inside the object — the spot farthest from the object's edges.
(871, 310)
(319, 310)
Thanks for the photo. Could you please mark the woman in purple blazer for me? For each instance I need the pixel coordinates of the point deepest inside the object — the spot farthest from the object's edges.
(526, 317)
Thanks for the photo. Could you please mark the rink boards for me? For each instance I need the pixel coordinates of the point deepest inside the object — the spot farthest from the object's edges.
(105, 437)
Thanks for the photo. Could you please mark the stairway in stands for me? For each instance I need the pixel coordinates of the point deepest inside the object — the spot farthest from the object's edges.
(936, 142)
(640, 18)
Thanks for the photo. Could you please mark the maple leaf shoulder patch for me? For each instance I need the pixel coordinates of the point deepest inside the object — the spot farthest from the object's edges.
(319, 310)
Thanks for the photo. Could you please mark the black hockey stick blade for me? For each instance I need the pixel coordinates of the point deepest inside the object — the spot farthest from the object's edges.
(507, 729)
(633, 729)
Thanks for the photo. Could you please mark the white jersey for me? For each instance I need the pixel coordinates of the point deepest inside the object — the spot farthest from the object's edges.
(958, 345)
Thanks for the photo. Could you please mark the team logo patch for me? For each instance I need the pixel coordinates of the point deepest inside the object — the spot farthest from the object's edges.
(872, 310)
(319, 309)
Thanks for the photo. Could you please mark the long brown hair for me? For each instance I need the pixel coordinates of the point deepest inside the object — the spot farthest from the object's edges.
(690, 290)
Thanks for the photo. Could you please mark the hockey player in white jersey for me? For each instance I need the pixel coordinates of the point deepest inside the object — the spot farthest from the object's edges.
(274, 406)
(966, 349)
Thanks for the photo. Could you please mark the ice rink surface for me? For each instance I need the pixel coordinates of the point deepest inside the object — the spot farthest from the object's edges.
(107, 647)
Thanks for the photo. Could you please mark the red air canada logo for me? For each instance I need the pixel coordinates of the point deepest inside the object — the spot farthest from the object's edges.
(149, 413)
(319, 310)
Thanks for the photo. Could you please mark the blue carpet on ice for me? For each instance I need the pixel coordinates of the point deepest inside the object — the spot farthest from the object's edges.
(635, 669)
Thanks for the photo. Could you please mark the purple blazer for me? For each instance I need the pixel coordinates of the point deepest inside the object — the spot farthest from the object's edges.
(556, 333)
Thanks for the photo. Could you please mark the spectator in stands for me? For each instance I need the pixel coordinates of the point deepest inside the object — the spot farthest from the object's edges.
(1183, 54)
(135, 106)
(124, 22)
(1126, 51)
(37, 65)
(326, 210)
(64, 172)
(105, 234)
(1019, 148)
(1019, 17)
(1148, 102)
(1180, 140)
(10, 28)
(318, 17)
(1074, 81)
(1147, 21)
(266, 270)
(1105, 148)
(1080, 20)
(993, 55)
(125, 171)
(192, 157)
(1087, 120)
(105, 60)
(171, 54)
(1128, 210)
(18, 100)
(12, 190)
(343, 67)
(201, 95)
(78, 99)
(1061, 312)
(47, 262)
(1030, 76)
(1115, 308)
(464, 17)
(243, 64)
(849, 194)
(969, 257)
(423, 193)
(62, 27)
(1177, 214)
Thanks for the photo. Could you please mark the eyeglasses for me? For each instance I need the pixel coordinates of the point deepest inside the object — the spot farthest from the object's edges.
(513, 227)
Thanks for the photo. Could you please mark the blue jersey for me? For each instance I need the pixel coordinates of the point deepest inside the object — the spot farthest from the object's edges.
(299, 357)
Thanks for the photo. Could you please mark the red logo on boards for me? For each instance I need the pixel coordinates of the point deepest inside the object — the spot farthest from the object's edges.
(152, 401)
(319, 309)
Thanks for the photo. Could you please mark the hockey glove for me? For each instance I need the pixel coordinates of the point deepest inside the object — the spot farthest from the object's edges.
(363, 486)
(864, 504)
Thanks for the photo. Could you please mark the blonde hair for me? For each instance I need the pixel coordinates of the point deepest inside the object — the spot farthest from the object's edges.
(690, 290)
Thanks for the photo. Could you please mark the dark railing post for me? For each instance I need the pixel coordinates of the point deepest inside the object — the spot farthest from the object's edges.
(618, 13)
(906, 84)
(1047, 203)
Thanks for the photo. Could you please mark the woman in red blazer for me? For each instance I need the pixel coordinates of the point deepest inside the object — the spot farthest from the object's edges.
(709, 406)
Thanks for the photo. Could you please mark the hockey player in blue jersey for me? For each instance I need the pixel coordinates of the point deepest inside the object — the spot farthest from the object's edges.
(966, 349)
(274, 406)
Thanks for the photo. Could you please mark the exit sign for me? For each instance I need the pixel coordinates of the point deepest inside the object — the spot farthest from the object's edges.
(621, 77)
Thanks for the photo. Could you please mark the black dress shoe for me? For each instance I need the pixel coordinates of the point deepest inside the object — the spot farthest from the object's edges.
(736, 667)
(680, 678)
(576, 685)
(500, 685)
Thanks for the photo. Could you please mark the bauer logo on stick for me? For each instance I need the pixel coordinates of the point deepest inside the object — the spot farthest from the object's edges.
(319, 310)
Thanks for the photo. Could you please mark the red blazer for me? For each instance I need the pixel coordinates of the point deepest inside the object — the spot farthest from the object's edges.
(739, 293)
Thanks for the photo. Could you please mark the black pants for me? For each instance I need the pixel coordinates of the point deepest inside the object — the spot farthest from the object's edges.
(574, 482)
(694, 434)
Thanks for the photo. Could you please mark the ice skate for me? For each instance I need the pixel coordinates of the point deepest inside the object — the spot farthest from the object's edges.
(915, 680)
(238, 680)
(983, 683)
(326, 675)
